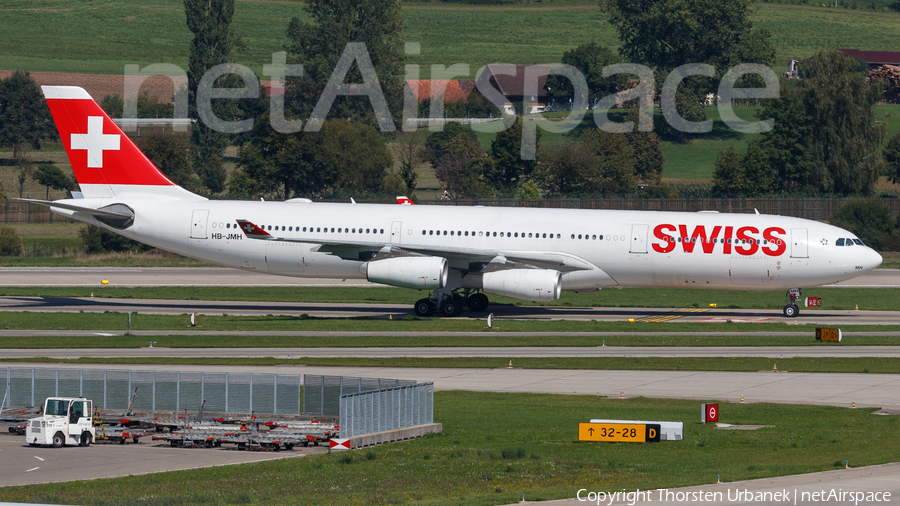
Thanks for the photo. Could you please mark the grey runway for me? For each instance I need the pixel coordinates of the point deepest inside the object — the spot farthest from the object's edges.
(386, 311)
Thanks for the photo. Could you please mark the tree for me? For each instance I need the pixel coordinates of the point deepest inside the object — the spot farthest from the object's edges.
(506, 150)
(728, 178)
(51, 176)
(171, 153)
(589, 59)
(847, 136)
(24, 117)
(598, 162)
(113, 105)
(435, 142)
(410, 153)
(319, 43)
(463, 165)
(665, 34)
(10, 242)
(341, 157)
(613, 170)
(647, 150)
(563, 165)
(870, 219)
(213, 44)
(891, 156)
(825, 136)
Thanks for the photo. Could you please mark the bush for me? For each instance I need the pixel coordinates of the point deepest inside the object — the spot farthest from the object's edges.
(10, 242)
(99, 240)
(870, 219)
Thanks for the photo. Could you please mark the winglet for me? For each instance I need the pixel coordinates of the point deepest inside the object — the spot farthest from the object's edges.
(252, 231)
(404, 201)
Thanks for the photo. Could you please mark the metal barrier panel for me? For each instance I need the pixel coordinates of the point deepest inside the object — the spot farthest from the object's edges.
(312, 394)
(214, 388)
(190, 391)
(143, 382)
(239, 393)
(386, 409)
(166, 393)
(93, 384)
(321, 394)
(287, 394)
(161, 390)
(20, 383)
(118, 389)
(263, 397)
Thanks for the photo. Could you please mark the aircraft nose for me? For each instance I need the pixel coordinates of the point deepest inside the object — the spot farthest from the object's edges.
(873, 259)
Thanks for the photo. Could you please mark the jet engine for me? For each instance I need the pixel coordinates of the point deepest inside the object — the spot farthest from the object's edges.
(524, 284)
(409, 272)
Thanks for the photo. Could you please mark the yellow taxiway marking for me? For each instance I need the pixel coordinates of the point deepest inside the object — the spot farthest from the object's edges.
(668, 317)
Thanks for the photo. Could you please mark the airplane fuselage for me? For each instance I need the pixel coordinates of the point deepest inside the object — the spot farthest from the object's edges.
(623, 248)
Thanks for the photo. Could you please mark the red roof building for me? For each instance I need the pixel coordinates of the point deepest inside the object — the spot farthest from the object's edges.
(874, 58)
(453, 90)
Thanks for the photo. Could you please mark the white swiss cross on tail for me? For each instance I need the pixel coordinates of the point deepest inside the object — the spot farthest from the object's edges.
(95, 141)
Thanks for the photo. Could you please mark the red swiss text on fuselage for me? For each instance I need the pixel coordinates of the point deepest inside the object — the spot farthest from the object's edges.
(718, 239)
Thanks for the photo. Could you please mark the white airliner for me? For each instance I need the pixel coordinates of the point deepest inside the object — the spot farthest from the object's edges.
(459, 253)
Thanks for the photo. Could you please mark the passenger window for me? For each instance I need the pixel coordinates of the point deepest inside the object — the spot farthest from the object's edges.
(382, 230)
(431, 232)
(495, 234)
(529, 236)
(573, 236)
(467, 233)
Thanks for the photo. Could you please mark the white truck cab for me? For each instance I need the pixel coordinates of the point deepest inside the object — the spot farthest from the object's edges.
(65, 420)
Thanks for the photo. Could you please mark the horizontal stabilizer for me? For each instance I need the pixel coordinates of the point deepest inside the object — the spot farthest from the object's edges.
(81, 209)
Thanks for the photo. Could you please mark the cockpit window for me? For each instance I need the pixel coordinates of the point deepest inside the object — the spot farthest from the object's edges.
(839, 242)
(858, 242)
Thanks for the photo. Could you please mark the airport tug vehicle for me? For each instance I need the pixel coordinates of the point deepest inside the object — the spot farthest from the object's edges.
(64, 420)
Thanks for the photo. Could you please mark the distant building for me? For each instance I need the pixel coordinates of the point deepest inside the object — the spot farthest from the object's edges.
(513, 87)
(874, 58)
(453, 90)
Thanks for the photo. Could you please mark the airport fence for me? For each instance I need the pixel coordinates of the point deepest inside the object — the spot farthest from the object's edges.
(386, 409)
(322, 394)
(159, 390)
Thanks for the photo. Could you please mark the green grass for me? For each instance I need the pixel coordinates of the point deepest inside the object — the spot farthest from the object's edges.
(496, 447)
(881, 299)
(139, 33)
(865, 365)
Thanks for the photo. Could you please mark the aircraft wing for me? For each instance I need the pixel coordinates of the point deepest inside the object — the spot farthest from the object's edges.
(476, 259)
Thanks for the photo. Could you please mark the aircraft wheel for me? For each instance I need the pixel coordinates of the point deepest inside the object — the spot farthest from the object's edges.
(478, 302)
(791, 310)
(452, 307)
(59, 440)
(424, 307)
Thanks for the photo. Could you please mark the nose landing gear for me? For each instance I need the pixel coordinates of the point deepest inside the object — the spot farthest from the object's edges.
(791, 309)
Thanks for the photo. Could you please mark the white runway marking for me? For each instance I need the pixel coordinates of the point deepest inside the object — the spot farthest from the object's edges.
(32, 469)
(38, 458)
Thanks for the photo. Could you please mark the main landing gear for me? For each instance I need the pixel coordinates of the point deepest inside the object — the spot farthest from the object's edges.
(791, 310)
(451, 305)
